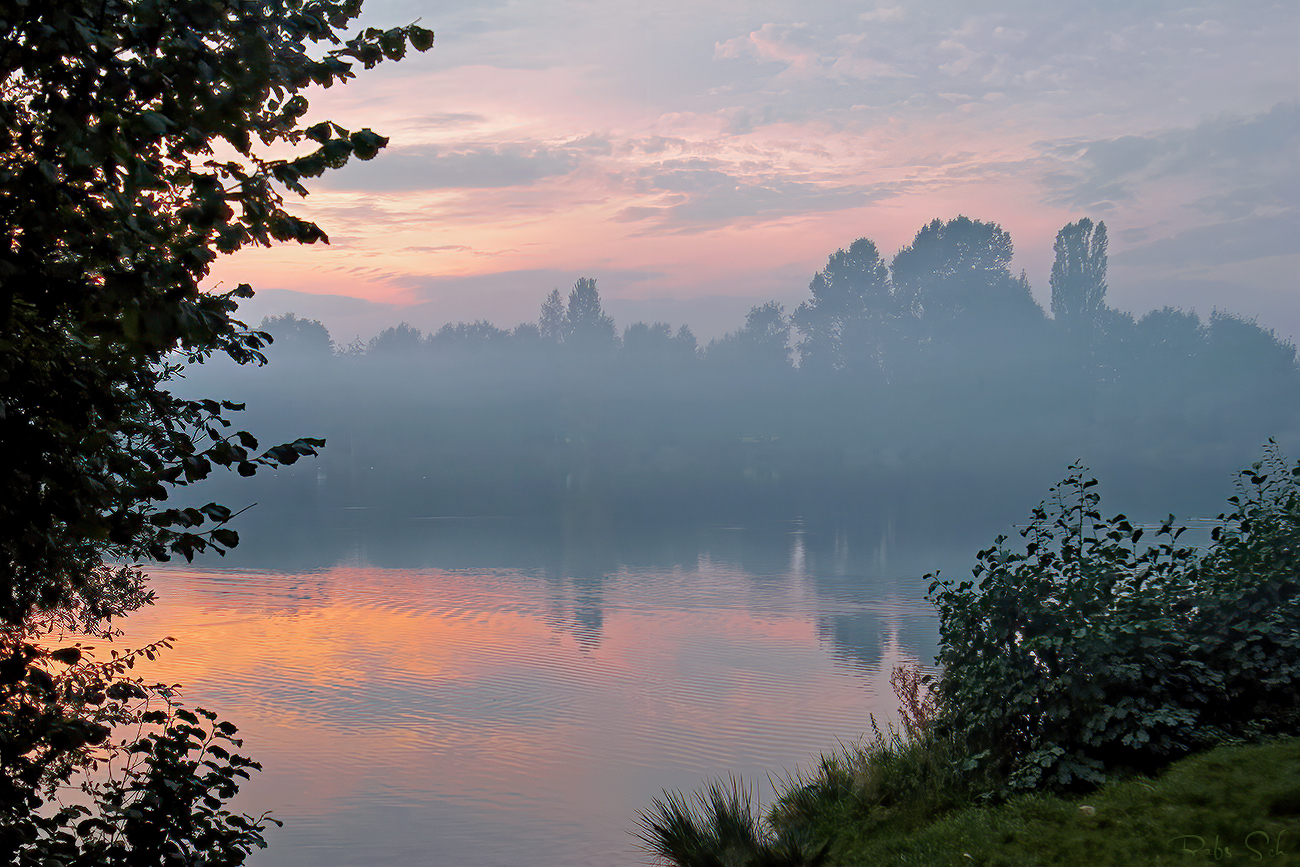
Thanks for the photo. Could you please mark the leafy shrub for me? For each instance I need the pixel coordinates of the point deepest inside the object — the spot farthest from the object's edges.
(99, 767)
(1088, 652)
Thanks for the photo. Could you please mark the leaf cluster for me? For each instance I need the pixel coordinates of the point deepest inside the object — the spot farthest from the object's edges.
(134, 139)
(97, 766)
(1088, 651)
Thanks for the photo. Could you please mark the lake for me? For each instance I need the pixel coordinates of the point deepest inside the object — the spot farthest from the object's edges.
(475, 691)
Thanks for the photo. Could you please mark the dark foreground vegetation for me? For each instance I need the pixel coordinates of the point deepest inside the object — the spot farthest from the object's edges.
(113, 205)
(1092, 655)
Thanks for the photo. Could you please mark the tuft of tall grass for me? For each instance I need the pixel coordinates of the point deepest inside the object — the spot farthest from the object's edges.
(902, 779)
(721, 827)
(892, 778)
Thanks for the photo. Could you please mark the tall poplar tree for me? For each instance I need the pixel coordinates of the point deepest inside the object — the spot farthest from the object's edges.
(1079, 275)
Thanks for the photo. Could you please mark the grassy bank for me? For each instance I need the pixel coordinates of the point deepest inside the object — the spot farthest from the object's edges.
(897, 802)
(1232, 805)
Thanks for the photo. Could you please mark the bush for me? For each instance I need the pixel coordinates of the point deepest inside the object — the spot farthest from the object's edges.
(1089, 653)
(99, 767)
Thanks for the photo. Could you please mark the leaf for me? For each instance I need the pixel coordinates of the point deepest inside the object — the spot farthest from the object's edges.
(366, 144)
(421, 39)
(224, 536)
(320, 132)
(66, 655)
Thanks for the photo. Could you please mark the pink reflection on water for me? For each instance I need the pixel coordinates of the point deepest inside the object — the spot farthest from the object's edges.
(399, 712)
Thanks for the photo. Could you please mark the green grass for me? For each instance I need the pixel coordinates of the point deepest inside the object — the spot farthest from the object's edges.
(899, 801)
(1233, 805)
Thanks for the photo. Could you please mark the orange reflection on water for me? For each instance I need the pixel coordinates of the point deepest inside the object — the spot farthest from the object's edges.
(462, 694)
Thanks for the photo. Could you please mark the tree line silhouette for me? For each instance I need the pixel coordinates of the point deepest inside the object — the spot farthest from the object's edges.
(934, 374)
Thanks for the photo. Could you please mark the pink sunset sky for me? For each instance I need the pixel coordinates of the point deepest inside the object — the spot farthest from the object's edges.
(700, 158)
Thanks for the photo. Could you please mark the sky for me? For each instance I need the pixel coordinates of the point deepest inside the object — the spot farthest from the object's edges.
(700, 158)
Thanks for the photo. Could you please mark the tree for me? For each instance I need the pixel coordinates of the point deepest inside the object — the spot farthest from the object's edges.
(553, 323)
(478, 333)
(299, 336)
(1090, 651)
(1169, 339)
(648, 345)
(644, 340)
(956, 272)
(402, 339)
(113, 205)
(112, 208)
(761, 346)
(587, 326)
(1079, 275)
(852, 303)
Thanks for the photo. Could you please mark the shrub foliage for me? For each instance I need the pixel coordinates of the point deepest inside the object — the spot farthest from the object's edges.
(136, 142)
(1092, 648)
(98, 766)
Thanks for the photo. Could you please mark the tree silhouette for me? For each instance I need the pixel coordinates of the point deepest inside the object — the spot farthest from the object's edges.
(479, 333)
(138, 141)
(298, 336)
(645, 344)
(852, 305)
(957, 272)
(401, 340)
(762, 345)
(1079, 276)
(640, 338)
(587, 326)
(1170, 337)
(553, 323)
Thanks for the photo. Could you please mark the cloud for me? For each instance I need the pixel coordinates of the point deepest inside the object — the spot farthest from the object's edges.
(773, 199)
(453, 248)
(885, 13)
(694, 194)
(449, 120)
(1219, 243)
(554, 128)
(482, 165)
(771, 43)
(635, 213)
(1239, 159)
(805, 53)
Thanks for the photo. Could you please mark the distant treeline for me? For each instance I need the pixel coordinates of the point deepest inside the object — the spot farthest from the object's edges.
(935, 375)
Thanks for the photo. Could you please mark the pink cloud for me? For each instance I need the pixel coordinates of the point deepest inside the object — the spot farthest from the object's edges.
(727, 164)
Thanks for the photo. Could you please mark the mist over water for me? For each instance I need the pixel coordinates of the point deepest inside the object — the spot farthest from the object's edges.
(539, 575)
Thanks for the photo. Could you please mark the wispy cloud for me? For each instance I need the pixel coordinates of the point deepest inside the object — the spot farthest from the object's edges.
(1253, 160)
(713, 146)
(491, 165)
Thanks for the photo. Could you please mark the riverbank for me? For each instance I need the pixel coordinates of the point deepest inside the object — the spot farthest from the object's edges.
(1091, 655)
(903, 803)
(1231, 805)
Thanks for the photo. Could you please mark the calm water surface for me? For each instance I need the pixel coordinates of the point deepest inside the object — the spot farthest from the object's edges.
(413, 708)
